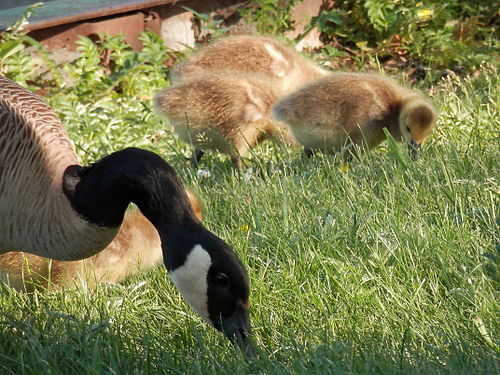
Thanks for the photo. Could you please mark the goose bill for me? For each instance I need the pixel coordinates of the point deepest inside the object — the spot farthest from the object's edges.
(237, 328)
(413, 148)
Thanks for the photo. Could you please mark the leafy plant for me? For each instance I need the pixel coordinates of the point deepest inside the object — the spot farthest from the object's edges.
(111, 83)
(452, 35)
(15, 61)
(269, 16)
(208, 24)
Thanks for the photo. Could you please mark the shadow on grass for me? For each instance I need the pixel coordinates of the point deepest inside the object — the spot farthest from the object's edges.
(63, 344)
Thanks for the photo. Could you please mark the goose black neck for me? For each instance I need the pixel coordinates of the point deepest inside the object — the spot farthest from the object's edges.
(101, 192)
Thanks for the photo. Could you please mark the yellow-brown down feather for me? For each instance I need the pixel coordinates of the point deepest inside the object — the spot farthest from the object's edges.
(251, 54)
(227, 111)
(353, 108)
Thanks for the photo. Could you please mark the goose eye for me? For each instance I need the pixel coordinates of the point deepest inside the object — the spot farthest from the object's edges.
(408, 128)
(221, 279)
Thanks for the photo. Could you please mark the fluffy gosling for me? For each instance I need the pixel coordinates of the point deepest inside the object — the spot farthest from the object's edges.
(342, 110)
(251, 54)
(226, 111)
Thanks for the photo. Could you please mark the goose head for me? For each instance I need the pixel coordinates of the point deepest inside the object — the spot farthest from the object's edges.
(202, 266)
(213, 282)
(416, 121)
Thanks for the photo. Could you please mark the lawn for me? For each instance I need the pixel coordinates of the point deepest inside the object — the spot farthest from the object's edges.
(379, 266)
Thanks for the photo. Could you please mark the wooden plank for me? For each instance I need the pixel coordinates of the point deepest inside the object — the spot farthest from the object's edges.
(58, 12)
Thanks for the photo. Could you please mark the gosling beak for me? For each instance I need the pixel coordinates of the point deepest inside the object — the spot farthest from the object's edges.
(413, 148)
(237, 329)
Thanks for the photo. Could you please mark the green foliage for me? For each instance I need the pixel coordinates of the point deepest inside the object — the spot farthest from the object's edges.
(380, 14)
(208, 24)
(269, 16)
(453, 34)
(110, 83)
(15, 61)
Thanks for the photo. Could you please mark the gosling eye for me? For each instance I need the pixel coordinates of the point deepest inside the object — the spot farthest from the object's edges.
(408, 129)
(221, 279)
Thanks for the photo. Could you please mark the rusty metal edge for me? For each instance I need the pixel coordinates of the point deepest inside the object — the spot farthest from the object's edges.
(98, 13)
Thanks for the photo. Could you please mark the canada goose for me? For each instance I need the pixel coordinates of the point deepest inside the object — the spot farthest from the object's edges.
(251, 54)
(136, 247)
(346, 109)
(226, 111)
(53, 207)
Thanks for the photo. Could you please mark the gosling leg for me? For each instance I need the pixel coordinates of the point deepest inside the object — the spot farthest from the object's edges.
(197, 155)
(308, 153)
(237, 163)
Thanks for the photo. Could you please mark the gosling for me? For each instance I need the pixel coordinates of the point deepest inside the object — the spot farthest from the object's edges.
(228, 112)
(343, 110)
(251, 54)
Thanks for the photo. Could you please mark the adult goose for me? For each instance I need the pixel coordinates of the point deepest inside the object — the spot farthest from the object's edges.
(53, 207)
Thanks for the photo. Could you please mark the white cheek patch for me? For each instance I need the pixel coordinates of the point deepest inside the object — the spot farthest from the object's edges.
(279, 64)
(191, 280)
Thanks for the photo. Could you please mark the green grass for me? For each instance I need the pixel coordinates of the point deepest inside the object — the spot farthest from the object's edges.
(383, 266)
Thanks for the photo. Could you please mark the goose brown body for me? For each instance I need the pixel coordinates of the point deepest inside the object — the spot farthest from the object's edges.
(35, 150)
(222, 94)
(136, 247)
(345, 109)
(251, 54)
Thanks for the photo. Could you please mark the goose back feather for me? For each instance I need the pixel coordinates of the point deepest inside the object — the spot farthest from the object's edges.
(34, 153)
